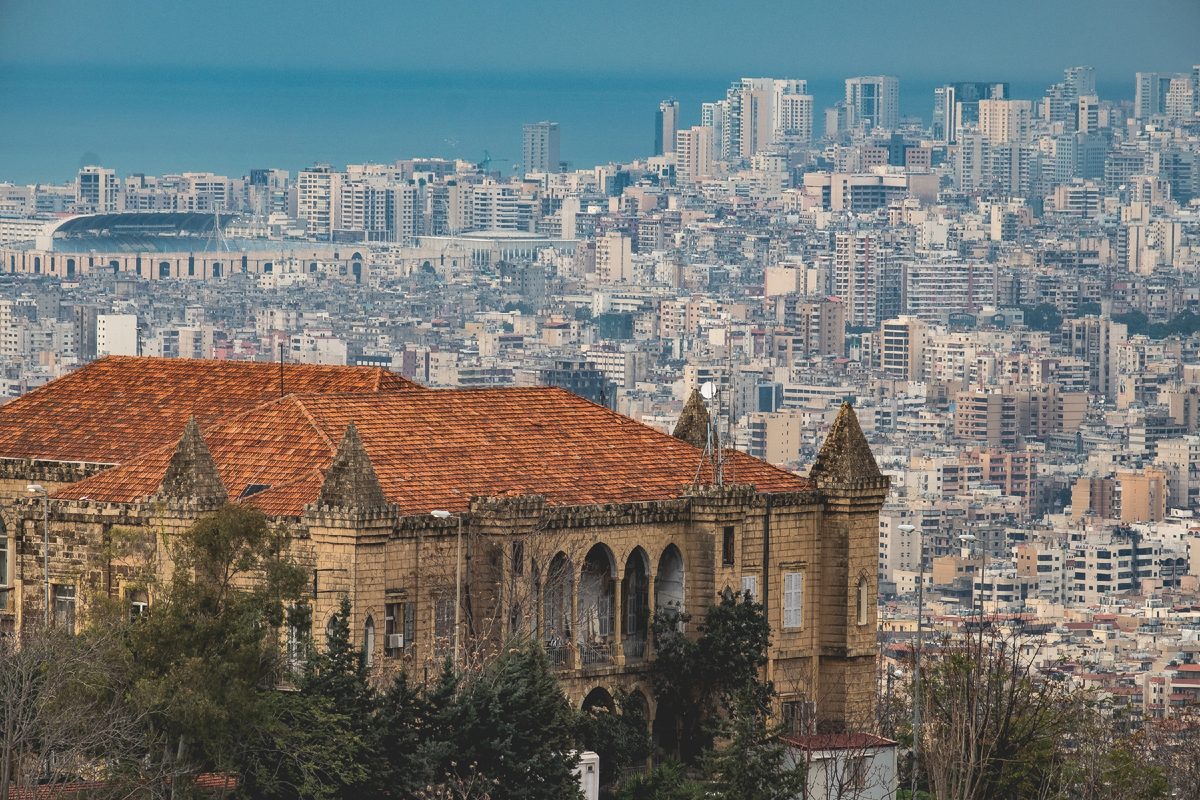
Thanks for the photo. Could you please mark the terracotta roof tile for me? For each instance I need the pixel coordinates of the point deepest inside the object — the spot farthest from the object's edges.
(435, 449)
(118, 407)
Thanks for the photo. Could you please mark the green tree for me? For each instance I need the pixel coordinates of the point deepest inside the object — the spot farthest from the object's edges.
(405, 732)
(1042, 317)
(621, 740)
(206, 658)
(668, 781)
(1087, 309)
(696, 680)
(512, 725)
(753, 765)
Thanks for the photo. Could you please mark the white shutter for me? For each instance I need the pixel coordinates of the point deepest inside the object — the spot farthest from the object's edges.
(750, 584)
(793, 594)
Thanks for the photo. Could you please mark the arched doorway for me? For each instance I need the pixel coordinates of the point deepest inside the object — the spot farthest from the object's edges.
(556, 610)
(70, 268)
(635, 599)
(596, 594)
(164, 269)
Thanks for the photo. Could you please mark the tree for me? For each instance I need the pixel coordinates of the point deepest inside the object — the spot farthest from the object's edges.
(207, 656)
(513, 726)
(696, 681)
(621, 740)
(991, 727)
(753, 765)
(62, 707)
(667, 782)
(404, 728)
(1042, 317)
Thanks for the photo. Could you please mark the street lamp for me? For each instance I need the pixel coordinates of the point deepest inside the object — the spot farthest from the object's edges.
(37, 488)
(908, 529)
(457, 580)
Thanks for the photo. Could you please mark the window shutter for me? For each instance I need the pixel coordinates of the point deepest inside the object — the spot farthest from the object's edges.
(750, 584)
(793, 592)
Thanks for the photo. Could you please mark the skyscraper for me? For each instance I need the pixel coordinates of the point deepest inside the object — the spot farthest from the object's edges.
(873, 101)
(1079, 81)
(540, 151)
(693, 154)
(1150, 98)
(1004, 120)
(956, 106)
(792, 112)
(866, 278)
(666, 124)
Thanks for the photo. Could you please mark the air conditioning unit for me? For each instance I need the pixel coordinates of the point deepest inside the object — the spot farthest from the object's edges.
(395, 641)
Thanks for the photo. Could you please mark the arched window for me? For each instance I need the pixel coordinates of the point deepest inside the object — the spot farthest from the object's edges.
(37, 264)
(164, 269)
(862, 601)
(329, 629)
(116, 266)
(216, 269)
(268, 267)
(369, 640)
(70, 268)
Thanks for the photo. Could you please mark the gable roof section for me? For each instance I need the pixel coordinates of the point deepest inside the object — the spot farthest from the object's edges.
(436, 449)
(119, 407)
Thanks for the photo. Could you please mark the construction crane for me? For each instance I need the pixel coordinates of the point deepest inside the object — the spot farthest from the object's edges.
(486, 164)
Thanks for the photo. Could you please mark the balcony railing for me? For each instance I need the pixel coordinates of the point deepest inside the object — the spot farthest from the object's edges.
(594, 653)
(635, 649)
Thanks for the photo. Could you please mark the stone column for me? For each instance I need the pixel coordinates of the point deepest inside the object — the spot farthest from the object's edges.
(618, 655)
(651, 650)
(574, 637)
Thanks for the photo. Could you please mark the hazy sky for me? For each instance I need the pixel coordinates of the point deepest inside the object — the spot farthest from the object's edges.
(954, 39)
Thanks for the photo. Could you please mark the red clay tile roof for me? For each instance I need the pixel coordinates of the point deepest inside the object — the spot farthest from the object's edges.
(435, 449)
(119, 407)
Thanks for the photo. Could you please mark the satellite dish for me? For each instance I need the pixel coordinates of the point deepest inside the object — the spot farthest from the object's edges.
(706, 390)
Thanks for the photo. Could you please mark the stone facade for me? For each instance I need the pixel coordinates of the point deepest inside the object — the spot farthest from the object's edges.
(582, 577)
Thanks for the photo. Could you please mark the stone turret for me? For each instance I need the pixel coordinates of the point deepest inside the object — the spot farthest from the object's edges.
(694, 422)
(192, 474)
(351, 481)
(853, 490)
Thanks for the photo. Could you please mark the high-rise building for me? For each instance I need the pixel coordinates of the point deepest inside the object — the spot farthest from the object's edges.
(693, 154)
(540, 147)
(317, 199)
(96, 190)
(866, 278)
(714, 115)
(1004, 120)
(614, 258)
(873, 102)
(792, 112)
(1153, 88)
(956, 106)
(1079, 81)
(666, 125)
(904, 348)
(1095, 340)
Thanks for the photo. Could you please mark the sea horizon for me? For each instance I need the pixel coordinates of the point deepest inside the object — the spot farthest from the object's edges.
(228, 121)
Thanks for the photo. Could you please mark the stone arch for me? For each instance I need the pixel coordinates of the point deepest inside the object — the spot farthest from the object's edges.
(37, 264)
(555, 596)
(164, 269)
(268, 267)
(669, 580)
(597, 593)
(635, 604)
(599, 697)
(216, 269)
(329, 628)
(70, 268)
(369, 640)
(116, 266)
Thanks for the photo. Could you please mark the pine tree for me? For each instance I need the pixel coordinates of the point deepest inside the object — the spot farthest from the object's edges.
(405, 731)
(753, 765)
(340, 676)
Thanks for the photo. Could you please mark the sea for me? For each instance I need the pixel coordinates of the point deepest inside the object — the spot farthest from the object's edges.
(53, 120)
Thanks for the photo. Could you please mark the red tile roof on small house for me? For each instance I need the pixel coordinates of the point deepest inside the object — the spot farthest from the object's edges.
(119, 407)
(436, 449)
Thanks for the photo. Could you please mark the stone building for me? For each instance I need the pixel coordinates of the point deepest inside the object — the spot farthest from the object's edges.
(575, 523)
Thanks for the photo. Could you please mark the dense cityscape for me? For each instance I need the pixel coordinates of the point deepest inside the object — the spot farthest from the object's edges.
(1004, 296)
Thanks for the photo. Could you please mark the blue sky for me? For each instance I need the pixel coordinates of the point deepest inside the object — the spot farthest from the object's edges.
(920, 39)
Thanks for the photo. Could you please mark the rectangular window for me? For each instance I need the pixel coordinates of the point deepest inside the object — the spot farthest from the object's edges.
(750, 586)
(299, 630)
(64, 608)
(399, 629)
(793, 597)
(443, 624)
(727, 547)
